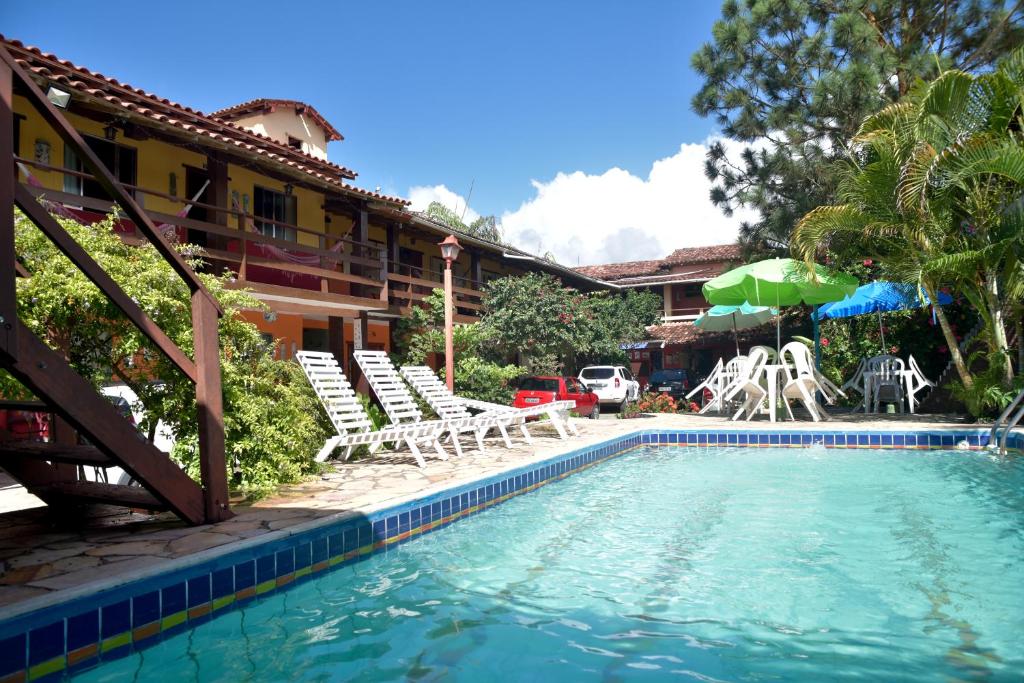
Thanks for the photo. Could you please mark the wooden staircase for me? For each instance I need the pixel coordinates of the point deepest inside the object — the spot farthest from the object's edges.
(51, 470)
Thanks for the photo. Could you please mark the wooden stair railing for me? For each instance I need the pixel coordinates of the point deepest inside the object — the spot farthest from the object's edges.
(44, 469)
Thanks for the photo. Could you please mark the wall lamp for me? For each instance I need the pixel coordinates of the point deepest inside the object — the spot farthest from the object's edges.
(59, 98)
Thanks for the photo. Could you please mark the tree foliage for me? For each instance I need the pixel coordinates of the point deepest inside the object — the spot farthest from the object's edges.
(484, 227)
(793, 81)
(541, 324)
(272, 422)
(932, 189)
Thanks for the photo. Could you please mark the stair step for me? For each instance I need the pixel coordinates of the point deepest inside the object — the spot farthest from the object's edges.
(97, 492)
(74, 455)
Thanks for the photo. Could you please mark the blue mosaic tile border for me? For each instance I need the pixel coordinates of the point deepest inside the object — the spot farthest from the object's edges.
(80, 633)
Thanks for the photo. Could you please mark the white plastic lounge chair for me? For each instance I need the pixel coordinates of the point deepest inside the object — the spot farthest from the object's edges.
(401, 407)
(917, 383)
(749, 382)
(349, 418)
(886, 380)
(435, 392)
(802, 380)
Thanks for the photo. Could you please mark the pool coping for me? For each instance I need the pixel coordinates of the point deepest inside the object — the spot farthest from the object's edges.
(33, 623)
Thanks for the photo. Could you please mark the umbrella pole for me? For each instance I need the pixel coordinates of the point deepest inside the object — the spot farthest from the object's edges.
(778, 326)
(735, 334)
(881, 331)
(817, 338)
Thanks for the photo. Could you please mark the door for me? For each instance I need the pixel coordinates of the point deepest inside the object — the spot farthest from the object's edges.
(196, 183)
(574, 391)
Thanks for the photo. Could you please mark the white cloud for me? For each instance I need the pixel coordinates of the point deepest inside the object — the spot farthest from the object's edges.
(616, 216)
(421, 196)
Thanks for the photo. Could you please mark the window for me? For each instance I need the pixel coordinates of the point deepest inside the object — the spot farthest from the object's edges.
(597, 373)
(275, 206)
(691, 290)
(539, 384)
(295, 143)
(314, 339)
(571, 386)
(120, 160)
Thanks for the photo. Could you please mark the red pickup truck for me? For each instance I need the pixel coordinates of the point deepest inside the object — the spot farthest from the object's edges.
(536, 390)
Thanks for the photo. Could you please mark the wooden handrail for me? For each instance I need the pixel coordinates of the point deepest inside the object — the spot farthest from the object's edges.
(473, 284)
(48, 375)
(99, 277)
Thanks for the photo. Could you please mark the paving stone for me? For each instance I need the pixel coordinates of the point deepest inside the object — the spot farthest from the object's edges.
(186, 545)
(43, 556)
(129, 548)
(10, 595)
(97, 573)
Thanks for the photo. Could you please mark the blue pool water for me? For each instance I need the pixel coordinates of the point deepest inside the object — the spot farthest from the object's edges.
(666, 563)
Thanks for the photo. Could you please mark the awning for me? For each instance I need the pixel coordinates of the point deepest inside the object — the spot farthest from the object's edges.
(643, 345)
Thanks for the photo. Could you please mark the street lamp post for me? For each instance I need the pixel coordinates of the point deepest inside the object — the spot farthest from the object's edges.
(450, 249)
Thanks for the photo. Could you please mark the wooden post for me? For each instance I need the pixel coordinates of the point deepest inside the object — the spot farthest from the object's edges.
(360, 335)
(210, 409)
(475, 269)
(336, 340)
(217, 192)
(8, 261)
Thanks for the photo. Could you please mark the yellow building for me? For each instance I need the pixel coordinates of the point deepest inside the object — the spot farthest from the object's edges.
(335, 264)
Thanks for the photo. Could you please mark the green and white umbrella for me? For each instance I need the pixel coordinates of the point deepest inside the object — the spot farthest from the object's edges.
(779, 282)
(735, 318)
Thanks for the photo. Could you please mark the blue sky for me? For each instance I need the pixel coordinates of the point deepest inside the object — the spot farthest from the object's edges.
(427, 94)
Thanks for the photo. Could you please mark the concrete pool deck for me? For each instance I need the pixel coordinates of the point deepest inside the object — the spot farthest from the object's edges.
(43, 557)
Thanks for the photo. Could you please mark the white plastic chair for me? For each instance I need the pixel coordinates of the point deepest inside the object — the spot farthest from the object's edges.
(351, 421)
(400, 406)
(712, 384)
(748, 382)
(857, 381)
(802, 380)
(429, 386)
(886, 380)
(917, 383)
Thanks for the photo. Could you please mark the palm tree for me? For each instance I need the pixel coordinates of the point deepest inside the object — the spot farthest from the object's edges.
(933, 189)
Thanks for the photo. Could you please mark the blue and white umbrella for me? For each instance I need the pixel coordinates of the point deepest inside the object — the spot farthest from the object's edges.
(745, 316)
(880, 297)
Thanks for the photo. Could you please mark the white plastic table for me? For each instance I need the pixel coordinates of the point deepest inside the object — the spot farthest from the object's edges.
(772, 373)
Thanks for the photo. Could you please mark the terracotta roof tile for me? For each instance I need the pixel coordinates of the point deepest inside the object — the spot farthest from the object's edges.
(179, 116)
(718, 252)
(245, 108)
(615, 271)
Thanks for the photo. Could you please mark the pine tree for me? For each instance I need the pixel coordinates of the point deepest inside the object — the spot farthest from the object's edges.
(793, 79)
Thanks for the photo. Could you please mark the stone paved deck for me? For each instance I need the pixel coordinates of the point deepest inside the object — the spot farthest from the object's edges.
(41, 554)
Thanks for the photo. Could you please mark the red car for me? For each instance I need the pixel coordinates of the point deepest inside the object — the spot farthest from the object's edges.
(536, 390)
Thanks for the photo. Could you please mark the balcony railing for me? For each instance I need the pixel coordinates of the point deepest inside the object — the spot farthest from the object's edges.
(335, 267)
(411, 284)
(683, 313)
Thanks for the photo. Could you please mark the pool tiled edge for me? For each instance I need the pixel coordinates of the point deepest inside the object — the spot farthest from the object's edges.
(111, 622)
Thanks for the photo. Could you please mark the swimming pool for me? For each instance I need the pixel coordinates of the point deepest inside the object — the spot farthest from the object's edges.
(705, 564)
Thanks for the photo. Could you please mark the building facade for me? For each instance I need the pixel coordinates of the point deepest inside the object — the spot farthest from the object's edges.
(678, 278)
(335, 265)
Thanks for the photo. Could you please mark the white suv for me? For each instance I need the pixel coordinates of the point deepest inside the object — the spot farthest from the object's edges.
(611, 383)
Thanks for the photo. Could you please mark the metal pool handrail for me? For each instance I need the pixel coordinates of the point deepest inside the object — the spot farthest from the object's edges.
(1010, 423)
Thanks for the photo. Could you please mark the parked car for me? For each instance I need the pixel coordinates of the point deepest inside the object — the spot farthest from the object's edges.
(675, 383)
(537, 390)
(612, 383)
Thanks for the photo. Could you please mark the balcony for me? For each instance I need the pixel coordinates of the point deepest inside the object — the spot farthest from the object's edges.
(410, 284)
(318, 274)
(678, 314)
